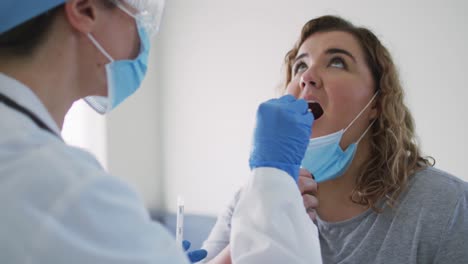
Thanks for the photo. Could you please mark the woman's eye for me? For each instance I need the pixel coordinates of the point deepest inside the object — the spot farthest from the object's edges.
(299, 67)
(337, 62)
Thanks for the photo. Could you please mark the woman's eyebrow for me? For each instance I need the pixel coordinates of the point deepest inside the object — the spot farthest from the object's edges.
(342, 51)
(300, 57)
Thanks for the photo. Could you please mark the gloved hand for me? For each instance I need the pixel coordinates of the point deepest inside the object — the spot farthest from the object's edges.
(196, 255)
(281, 135)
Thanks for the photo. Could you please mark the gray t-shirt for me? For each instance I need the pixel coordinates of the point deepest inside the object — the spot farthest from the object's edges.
(430, 225)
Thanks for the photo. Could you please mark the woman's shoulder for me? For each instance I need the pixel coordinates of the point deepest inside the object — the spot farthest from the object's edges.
(437, 186)
(437, 179)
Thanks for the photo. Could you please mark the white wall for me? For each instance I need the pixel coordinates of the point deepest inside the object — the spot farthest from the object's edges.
(188, 130)
(86, 129)
(133, 138)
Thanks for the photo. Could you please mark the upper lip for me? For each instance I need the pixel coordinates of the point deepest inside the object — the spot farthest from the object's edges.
(312, 99)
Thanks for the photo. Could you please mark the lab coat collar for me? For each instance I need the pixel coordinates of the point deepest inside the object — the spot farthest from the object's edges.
(25, 97)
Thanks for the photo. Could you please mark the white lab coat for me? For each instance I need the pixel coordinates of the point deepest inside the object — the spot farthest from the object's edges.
(58, 205)
(270, 224)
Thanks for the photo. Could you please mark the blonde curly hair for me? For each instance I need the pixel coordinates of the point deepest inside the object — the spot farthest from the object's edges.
(395, 154)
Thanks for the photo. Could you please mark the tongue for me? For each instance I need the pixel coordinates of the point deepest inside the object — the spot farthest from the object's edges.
(316, 110)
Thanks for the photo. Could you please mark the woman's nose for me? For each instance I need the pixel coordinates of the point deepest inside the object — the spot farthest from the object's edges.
(309, 81)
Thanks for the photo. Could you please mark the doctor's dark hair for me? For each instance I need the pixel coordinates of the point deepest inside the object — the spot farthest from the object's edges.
(22, 40)
(395, 154)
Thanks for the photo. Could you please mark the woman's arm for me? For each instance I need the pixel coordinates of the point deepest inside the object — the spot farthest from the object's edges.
(453, 244)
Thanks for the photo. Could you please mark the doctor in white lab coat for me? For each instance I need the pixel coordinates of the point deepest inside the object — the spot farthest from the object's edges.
(58, 205)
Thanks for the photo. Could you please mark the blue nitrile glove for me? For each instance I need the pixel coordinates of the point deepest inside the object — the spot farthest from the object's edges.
(281, 134)
(196, 255)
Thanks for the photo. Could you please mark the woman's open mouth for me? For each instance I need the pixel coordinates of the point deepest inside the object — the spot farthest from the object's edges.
(316, 109)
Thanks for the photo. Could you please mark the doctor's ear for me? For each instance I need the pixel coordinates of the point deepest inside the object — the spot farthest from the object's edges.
(83, 15)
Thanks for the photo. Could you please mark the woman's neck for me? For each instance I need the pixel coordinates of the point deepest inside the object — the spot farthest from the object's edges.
(335, 204)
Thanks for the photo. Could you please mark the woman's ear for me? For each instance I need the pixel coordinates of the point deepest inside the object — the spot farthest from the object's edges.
(81, 14)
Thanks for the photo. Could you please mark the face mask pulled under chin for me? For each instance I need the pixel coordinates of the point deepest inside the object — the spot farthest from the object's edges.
(124, 77)
(324, 157)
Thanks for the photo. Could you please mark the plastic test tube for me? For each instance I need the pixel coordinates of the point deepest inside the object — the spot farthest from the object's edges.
(180, 221)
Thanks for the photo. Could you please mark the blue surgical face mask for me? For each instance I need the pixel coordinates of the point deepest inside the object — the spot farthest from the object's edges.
(124, 77)
(324, 157)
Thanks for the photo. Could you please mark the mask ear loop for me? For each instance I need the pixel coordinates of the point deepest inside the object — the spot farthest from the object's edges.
(362, 111)
(365, 132)
(123, 8)
(100, 48)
